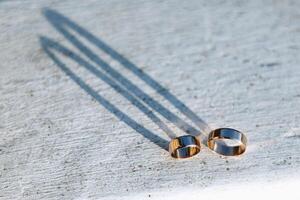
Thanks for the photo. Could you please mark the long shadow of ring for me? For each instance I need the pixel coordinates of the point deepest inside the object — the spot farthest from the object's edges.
(118, 82)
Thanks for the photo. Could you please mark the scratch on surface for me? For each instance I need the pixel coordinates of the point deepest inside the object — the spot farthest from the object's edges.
(271, 64)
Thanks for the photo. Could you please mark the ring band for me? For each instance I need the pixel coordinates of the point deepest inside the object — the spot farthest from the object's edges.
(215, 141)
(184, 146)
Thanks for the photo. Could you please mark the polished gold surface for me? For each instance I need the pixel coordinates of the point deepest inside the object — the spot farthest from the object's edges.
(184, 146)
(217, 141)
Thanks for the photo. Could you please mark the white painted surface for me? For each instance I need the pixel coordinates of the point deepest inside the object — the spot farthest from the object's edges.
(232, 64)
(259, 190)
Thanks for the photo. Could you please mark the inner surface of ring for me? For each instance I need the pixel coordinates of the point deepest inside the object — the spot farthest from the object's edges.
(219, 146)
(186, 152)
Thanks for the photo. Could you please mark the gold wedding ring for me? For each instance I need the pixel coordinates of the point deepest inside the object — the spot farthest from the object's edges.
(217, 141)
(184, 146)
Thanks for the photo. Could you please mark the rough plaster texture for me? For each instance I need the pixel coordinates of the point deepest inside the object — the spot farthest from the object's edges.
(92, 91)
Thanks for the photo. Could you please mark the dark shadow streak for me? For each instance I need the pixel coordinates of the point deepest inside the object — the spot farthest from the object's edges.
(79, 60)
(49, 44)
(60, 23)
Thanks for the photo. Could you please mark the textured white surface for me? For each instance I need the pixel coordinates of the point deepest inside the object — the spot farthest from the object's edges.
(233, 64)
